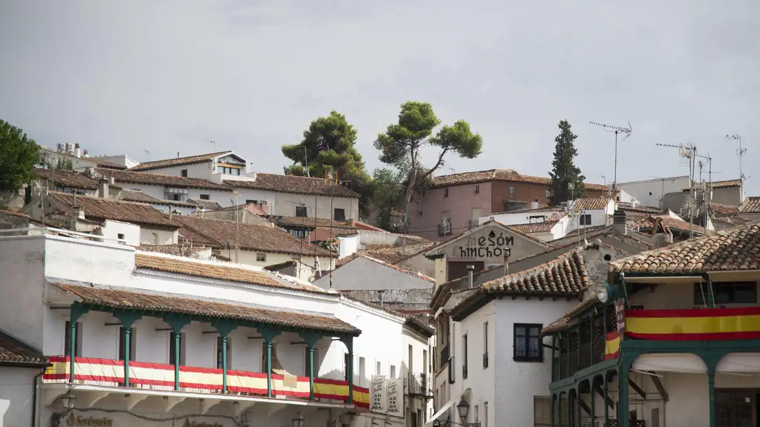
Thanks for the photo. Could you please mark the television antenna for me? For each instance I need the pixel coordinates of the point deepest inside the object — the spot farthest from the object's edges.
(741, 152)
(617, 130)
(148, 153)
(688, 151)
(212, 142)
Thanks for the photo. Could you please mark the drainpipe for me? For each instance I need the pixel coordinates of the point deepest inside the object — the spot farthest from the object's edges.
(35, 386)
(470, 274)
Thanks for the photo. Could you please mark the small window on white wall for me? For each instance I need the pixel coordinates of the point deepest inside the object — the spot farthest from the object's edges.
(393, 371)
(262, 257)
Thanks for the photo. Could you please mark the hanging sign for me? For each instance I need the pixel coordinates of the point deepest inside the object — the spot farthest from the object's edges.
(377, 399)
(77, 421)
(620, 316)
(395, 398)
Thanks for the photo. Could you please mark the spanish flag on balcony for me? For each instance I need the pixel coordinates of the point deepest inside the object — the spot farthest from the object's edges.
(704, 324)
(612, 346)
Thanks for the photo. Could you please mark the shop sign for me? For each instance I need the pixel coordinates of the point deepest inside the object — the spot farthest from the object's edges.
(189, 423)
(393, 393)
(76, 421)
(620, 316)
(378, 394)
(489, 246)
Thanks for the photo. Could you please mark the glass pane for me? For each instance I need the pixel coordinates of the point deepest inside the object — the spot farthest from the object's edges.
(520, 348)
(520, 331)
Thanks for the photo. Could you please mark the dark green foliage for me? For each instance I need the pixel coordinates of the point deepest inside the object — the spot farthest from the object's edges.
(18, 156)
(564, 172)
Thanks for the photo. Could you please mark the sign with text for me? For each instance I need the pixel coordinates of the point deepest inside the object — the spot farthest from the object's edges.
(377, 394)
(79, 420)
(489, 246)
(620, 316)
(394, 390)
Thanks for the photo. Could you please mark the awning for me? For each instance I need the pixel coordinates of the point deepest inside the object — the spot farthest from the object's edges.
(442, 411)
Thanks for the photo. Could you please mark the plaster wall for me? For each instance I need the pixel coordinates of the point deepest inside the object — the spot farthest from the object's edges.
(419, 263)
(131, 232)
(459, 206)
(374, 276)
(22, 265)
(16, 403)
(651, 192)
(305, 269)
(157, 236)
(285, 205)
(224, 198)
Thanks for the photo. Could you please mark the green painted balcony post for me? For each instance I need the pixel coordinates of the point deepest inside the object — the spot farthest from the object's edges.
(567, 357)
(591, 342)
(578, 409)
(551, 418)
(623, 420)
(349, 342)
(224, 329)
(606, 406)
(554, 363)
(176, 323)
(711, 360)
(578, 331)
(77, 310)
(593, 398)
(127, 319)
(269, 333)
(559, 409)
(311, 339)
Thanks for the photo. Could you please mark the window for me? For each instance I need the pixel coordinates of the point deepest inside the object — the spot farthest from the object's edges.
(485, 345)
(298, 233)
(219, 353)
(77, 339)
(548, 194)
(230, 171)
(275, 361)
(181, 348)
(301, 211)
(205, 197)
(339, 214)
(485, 414)
(393, 371)
(132, 341)
(445, 192)
(184, 173)
(542, 411)
(511, 191)
(464, 356)
(306, 369)
(261, 257)
(362, 371)
(527, 346)
(727, 293)
(476, 189)
(120, 236)
(585, 219)
(176, 194)
(249, 201)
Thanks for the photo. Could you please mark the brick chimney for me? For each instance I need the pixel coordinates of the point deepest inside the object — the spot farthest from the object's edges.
(618, 223)
(103, 189)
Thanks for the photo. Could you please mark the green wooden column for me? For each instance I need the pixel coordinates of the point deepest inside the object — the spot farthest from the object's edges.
(591, 343)
(711, 388)
(578, 331)
(269, 333)
(559, 409)
(127, 319)
(176, 323)
(593, 399)
(623, 420)
(311, 339)
(606, 396)
(349, 342)
(77, 310)
(551, 418)
(578, 408)
(224, 328)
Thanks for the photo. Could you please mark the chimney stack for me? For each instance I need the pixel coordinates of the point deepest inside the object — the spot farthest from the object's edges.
(178, 154)
(618, 223)
(103, 189)
(470, 275)
(77, 151)
(534, 204)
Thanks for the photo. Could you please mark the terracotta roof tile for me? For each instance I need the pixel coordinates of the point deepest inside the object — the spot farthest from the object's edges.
(66, 178)
(671, 223)
(721, 210)
(736, 249)
(15, 352)
(542, 209)
(750, 205)
(163, 180)
(264, 238)
(209, 308)
(308, 222)
(96, 208)
(536, 227)
(497, 175)
(205, 204)
(719, 184)
(176, 250)
(565, 276)
(137, 196)
(159, 164)
(260, 210)
(294, 184)
(591, 203)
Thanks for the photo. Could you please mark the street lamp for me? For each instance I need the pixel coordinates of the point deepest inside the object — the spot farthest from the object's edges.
(437, 423)
(464, 409)
(298, 420)
(68, 400)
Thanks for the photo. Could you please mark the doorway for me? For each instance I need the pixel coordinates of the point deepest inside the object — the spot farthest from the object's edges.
(735, 408)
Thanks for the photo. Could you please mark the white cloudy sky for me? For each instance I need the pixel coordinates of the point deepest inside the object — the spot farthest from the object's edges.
(168, 76)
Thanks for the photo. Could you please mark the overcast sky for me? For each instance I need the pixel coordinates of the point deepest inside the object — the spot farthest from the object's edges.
(168, 76)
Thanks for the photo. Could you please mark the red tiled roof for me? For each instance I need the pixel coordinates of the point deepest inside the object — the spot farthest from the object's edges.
(209, 308)
(250, 207)
(671, 223)
(736, 249)
(15, 352)
(719, 209)
(162, 180)
(66, 178)
(564, 276)
(497, 175)
(719, 184)
(206, 204)
(750, 205)
(307, 222)
(99, 209)
(159, 164)
(254, 237)
(294, 184)
(542, 209)
(536, 227)
(591, 203)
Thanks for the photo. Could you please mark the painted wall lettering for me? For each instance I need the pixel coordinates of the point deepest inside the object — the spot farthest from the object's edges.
(487, 246)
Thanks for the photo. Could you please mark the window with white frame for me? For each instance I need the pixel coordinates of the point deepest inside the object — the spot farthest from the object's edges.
(175, 193)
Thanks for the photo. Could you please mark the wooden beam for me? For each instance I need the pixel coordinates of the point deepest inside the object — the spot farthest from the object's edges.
(610, 403)
(660, 388)
(638, 389)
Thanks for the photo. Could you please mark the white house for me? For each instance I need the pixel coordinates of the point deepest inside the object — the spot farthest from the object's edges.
(162, 340)
(20, 366)
(491, 367)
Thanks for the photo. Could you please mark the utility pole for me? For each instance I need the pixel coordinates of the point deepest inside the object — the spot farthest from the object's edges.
(741, 152)
(214, 144)
(617, 130)
(688, 151)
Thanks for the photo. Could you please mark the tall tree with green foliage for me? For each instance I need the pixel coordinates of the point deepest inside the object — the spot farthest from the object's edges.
(388, 197)
(329, 145)
(402, 142)
(567, 181)
(18, 156)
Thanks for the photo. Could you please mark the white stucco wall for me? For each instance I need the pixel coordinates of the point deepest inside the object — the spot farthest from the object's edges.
(306, 269)
(224, 198)
(348, 245)
(16, 404)
(650, 192)
(130, 232)
(157, 236)
(285, 205)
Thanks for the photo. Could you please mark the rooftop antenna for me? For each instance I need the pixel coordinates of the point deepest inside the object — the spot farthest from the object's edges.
(689, 152)
(214, 144)
(148, 153)
(617, 130)
(741, 152)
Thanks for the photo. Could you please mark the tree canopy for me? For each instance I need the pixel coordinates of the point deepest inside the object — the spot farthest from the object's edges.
(18, 156)
(402, 142)
(329, 145)
(564, 173)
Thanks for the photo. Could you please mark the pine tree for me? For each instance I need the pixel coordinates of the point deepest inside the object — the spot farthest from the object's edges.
(564, 173)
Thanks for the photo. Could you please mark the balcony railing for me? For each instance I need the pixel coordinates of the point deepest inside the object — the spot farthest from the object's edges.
(155, 376)
(419, 385)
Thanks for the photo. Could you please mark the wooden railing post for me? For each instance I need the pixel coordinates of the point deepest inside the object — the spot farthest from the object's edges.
(127, 319)
(224, 329)
(311, 339)
(269, 335)
(77, 310)
(176, 323)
